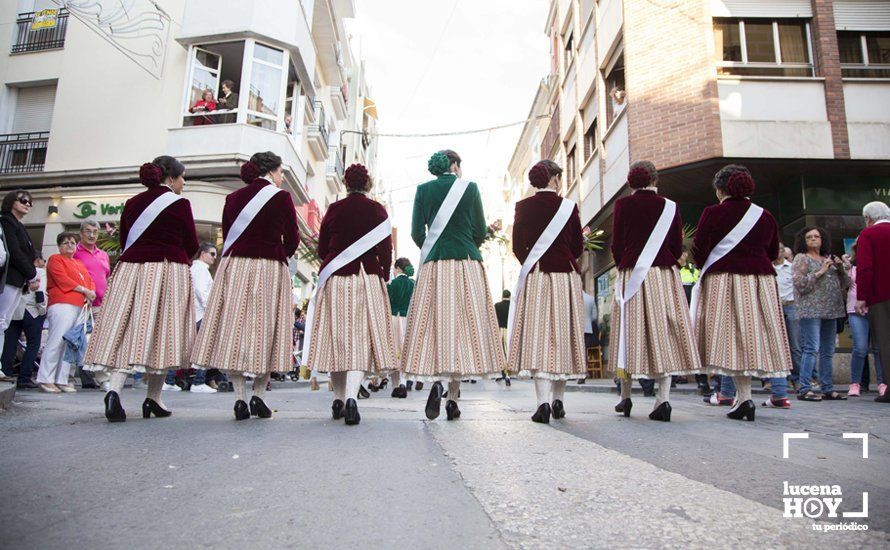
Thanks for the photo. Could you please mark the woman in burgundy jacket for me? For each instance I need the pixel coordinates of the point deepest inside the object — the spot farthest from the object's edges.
(739, 324)
(248, 323)
(547, 342)
(352, 328)
(659, 333)
(148, 322)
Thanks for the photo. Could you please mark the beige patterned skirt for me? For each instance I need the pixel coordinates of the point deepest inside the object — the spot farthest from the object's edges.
(740, 329)
(352, 329)
(399, 328)
(452, 328)
(548, 328)
(248, 323)
(147, 322)
(659, 332)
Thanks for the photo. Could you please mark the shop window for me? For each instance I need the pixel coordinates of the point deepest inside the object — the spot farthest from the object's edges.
(617, 94)
(763, 47)
(864, 54)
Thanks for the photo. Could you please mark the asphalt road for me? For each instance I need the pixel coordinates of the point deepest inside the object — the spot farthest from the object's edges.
(490, 480)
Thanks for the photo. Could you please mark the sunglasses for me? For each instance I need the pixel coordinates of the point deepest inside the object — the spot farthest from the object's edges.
(26, 202)
(212, 254)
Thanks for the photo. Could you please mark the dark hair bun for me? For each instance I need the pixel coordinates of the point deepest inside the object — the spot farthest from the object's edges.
(265, 162)
(356, 177)
(740, 184)
(539, 176)
(439, 163)
(151, 175)
(638, 178)
(249, 172)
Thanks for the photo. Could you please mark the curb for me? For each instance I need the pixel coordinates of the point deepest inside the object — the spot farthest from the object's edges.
(7, 394)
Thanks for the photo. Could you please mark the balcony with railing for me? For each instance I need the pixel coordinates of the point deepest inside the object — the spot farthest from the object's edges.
(338, 100)
(317, 133)
(22, 153)
(34, 36)
(335, 169)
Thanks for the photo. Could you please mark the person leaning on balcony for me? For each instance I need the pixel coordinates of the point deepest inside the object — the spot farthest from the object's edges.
(738, 318)
(227, 101)
(148, 319)
(19, 271)
(873, 280)
(657, 335)
(69, 288)
(547, 339)
(249, 319)
(204, 105)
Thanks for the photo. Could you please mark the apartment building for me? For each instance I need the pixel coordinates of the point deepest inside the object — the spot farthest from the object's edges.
(797, 90)
(92, 90)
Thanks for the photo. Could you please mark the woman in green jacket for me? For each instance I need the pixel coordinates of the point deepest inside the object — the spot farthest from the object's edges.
(452, 329)
(400, 289)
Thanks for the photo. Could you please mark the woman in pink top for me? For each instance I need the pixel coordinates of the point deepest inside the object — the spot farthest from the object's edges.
(860, 332)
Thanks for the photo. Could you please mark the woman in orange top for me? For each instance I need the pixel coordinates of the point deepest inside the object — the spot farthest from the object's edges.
(68, 287)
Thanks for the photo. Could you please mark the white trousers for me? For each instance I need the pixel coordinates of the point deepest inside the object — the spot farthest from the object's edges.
(9, 300)
(60, 318)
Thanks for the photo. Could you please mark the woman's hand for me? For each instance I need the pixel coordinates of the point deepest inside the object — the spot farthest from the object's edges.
(90, 295)
(826, 265)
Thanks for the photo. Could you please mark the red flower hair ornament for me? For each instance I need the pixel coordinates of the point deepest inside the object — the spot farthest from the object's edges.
(249, 172)
(150, 174)
(356, 176)
(740, 184)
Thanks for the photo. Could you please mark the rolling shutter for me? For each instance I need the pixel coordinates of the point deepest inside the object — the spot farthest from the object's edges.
(862, 15)
(34, 109)
(761, 8)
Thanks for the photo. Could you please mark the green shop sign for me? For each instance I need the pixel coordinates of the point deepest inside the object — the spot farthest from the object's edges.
(87, 209)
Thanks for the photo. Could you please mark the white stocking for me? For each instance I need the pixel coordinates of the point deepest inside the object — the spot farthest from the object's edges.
(664, 390)
(118, 379)
(542, 390)
(454, 390)
(559, 390)
(260, 383)
(155, 383)
(353, 383)
(742, 389)
(338, 380)
(396, 378)
(237, 380)
(626, 387)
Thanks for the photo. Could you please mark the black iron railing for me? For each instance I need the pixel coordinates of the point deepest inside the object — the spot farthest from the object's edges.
(335, 163)
(23, 152)
(321, 125)
(30, 40)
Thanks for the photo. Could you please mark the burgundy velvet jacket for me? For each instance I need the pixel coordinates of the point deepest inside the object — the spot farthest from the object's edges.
(273, 234)
(532, 217)
(345, 222)
(753, 256)
(873, 264)
(633, 220)
(171, 236)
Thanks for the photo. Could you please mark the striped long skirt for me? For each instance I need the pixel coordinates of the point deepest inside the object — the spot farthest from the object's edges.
(147, 322)
(548, 328)
(249, 319)
(452, 328)
(659, 333)
(352, 329)
(740, 329)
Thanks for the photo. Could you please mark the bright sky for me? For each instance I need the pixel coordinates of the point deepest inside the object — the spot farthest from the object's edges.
(450, 65)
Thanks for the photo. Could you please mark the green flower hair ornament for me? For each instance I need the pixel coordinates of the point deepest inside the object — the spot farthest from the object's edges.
(438, 164)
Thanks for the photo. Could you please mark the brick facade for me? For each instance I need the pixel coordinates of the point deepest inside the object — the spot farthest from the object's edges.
(828, 66)
(673, 111)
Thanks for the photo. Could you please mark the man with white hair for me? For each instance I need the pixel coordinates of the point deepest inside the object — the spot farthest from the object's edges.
(873, 280)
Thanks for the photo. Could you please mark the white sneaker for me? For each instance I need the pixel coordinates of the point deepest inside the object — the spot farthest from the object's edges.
(201, 388)
(170, 387)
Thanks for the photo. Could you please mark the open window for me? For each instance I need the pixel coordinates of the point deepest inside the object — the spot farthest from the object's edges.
(617, 95)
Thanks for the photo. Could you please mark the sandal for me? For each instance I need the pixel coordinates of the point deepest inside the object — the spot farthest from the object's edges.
(809, 396)
(834, 396)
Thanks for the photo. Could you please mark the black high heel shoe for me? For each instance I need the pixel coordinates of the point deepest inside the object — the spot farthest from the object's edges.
(434, 401)
(418, 386)
(258, 408)
(452, 410)
(559, 410)
(114, 411)
(745, 411)
(337, 409)
(662, 413)
(624, 407)
(363, 393)
(542, 415)
(351, 415)
(241, 410)
(383, 383)
(400, 392)
(151, 407)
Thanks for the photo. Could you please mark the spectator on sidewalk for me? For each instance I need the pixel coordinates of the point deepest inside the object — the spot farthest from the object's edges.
(820, 285)
(202, 282)
(860, 330)
(18, 272)
(784, 278)
(30, 321)
(98, 265)
(873, 281)
(69, 288)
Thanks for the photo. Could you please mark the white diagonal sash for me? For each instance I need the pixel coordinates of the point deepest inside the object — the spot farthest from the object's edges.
(248, 214)
(724, 247)
(443, 216)
(149, 215)
(352, 253)
(551, 232)
(638, 275)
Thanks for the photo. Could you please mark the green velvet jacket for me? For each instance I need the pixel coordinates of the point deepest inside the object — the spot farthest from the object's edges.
(400, 290)
(466, 229)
